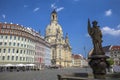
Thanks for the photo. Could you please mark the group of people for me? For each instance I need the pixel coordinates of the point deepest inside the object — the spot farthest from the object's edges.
(16, 68)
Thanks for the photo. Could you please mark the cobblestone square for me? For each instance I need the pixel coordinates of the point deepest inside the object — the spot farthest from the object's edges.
(47, 74)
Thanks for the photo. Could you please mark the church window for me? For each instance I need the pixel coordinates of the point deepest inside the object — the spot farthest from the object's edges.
(49, 30)
(59, 53)
(53, 17)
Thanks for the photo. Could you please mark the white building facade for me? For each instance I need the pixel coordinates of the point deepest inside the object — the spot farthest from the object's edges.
(21, 45)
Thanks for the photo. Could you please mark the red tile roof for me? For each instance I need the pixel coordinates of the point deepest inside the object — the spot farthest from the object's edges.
(115, 48)
(76, 56)
(107, 49)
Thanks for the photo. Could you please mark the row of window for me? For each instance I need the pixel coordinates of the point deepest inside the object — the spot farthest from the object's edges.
(115, 56)
(115, 52)
(22, 51)
(40, 48)
(16, 58)
(16, 44)
(39, 53)
(11, 37)
(13, 50)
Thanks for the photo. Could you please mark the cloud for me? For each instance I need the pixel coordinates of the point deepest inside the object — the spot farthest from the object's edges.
(25, 6)
(36, 9)
(118, 26)
(59, 9)
(53, 6)
(4, 16)
(108, 12)
(110, 31)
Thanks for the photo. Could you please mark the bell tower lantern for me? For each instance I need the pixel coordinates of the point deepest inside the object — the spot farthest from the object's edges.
(54, 16)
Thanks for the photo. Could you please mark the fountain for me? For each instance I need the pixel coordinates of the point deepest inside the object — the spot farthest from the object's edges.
(97, 61)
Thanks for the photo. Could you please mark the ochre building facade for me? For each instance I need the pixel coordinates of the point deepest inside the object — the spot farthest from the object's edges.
(61, 49)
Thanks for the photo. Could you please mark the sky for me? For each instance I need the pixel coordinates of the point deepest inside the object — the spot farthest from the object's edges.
(72, 16)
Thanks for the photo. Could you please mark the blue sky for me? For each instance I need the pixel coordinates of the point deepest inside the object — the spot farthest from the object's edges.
(72, 16)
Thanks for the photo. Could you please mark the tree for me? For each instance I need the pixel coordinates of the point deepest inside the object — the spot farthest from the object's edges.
(110, 61)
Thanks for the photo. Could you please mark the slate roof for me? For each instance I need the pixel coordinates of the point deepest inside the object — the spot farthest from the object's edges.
(106, 48)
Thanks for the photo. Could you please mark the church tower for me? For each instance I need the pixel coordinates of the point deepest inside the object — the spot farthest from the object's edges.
(53, 28)
(54, 35)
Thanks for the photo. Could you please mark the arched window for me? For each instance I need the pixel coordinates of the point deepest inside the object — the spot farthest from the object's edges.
(53, 17)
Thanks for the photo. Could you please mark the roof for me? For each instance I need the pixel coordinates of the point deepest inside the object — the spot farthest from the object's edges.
(106, 48)
(76, 56)
(115, 48)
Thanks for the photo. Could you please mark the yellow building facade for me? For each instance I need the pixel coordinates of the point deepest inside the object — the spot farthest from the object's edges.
(61, 49)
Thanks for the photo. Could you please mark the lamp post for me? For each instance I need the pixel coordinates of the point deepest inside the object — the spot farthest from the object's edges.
(85, 52)
(85, 56)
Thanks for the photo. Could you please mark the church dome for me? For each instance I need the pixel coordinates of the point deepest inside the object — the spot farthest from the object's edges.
(53, 28)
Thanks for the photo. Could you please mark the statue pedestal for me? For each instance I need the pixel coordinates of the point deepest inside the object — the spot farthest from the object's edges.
(99, 76)
(98, 65)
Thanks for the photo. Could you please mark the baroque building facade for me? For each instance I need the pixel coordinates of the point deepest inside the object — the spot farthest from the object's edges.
(60, 46)
(22, 46)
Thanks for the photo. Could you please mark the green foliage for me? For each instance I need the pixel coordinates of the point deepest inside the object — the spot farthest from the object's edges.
(110, 61)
